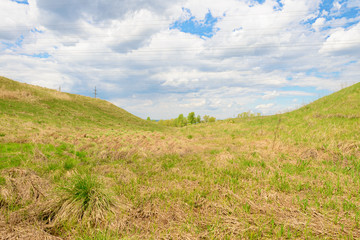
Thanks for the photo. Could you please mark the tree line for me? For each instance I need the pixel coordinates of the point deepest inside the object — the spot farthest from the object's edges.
(182, 121)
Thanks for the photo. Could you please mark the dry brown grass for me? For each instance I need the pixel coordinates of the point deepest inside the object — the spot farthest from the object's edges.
(60, 95)
(254, 179)
(24, 231)
(22, 187)
(120, 174)
(22, 95)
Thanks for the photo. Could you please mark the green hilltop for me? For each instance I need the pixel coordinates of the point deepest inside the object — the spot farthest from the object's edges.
(22, 103)
(342, 104)
(327, 120)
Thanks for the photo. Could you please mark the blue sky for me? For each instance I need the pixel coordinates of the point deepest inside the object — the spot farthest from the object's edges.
(21, 1)
(160, 59)
(204, 28)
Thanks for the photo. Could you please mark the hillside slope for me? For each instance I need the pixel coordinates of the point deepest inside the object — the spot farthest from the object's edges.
(30, 107)
(332, 120)
(334, 117)
(85, 176)
(342, 104)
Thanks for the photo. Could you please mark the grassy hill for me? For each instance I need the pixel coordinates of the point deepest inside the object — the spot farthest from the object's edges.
(342, 104)
(329, 120)
(73, 167)
(22, 103)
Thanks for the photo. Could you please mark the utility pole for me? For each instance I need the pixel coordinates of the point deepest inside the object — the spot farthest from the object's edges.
(95, 92)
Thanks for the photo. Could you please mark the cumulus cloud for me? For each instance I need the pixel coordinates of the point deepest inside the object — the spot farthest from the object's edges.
(270, 95)
(343, 42)
(98, 10)
(130, 52)
(265, 108)
(16, 19)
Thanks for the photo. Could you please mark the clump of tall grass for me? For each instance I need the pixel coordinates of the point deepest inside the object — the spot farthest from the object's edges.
(82, 200)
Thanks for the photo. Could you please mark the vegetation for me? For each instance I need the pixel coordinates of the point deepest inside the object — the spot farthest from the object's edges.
(248, 114)
(181, 121)
(79, 168)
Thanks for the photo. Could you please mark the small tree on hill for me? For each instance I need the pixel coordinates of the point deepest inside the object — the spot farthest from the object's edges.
(198, 119)
(191, 118)
(181, 121)
(206, 118)
(212, 119)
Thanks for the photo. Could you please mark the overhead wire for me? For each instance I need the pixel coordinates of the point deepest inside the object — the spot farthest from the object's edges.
(204, 50)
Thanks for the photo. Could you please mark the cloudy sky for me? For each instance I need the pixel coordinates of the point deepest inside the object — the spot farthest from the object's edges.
(161, 58)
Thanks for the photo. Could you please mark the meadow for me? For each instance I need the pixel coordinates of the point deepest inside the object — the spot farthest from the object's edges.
(74, 167)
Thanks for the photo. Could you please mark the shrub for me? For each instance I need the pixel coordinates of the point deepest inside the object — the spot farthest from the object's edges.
(212, 119)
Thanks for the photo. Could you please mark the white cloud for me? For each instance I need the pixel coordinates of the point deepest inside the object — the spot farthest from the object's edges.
(270, 95)
(353, 3)
(264, 106)
(343, 42)
(127, 50)
(319, 23)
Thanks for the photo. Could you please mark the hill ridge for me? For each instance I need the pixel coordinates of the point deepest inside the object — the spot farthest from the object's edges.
(29, 102)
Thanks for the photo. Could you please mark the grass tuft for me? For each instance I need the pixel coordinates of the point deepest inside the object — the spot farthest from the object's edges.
(83, 199)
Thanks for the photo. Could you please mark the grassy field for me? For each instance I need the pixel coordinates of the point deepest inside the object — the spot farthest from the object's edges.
(73, 167)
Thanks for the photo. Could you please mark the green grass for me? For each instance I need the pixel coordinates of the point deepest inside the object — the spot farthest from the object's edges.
(84, 199)
(94, 171)
(45, 107)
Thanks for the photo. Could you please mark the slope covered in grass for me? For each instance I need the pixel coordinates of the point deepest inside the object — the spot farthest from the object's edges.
(331, 121)
(293, 175)
(342, 104)
(24, 104)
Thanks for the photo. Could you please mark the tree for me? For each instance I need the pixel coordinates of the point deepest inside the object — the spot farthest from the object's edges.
(248, 114)
(191, 118)
(206, 118)
(181, 121)
(198, 119)
(148, 119)
(212, 119)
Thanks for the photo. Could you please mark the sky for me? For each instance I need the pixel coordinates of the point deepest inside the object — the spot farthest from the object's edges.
(162, 58)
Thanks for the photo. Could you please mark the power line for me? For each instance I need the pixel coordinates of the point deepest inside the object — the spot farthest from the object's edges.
(204, 50)
(245, 32)
(28, 28)
(172, 20)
